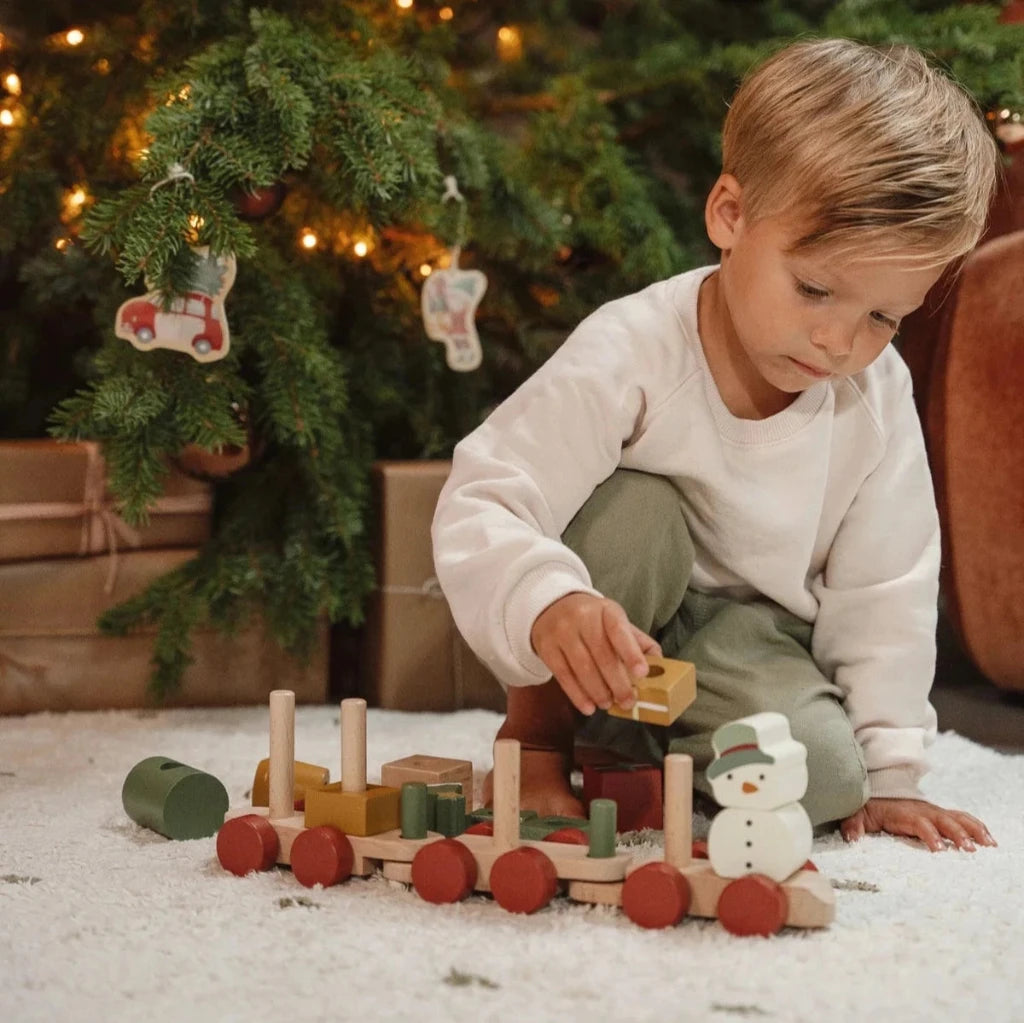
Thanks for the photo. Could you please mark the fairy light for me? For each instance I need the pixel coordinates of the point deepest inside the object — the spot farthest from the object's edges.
(426, 270)
(446, 14)
(12, 83)
(74, 37)
(404, 5)
(102, 66)
(510, 43)
(361, 248)
(308, 239)
(61, 244)
(73, 201)
(6, 118)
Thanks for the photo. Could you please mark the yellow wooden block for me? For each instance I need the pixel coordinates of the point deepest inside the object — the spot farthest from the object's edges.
(355, 813)
(669, 688)
(306, 775)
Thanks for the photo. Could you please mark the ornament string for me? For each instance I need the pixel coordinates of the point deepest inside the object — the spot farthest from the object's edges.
(175, 172)
(452, 193)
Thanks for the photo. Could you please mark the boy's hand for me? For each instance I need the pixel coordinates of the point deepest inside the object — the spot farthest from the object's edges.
(917, 819)
(592, 649)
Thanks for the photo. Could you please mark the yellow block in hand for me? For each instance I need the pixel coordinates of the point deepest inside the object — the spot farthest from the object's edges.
(669, 688)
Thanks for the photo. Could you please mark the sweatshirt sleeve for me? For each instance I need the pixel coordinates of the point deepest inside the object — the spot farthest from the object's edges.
(517, 481)
(878, 598)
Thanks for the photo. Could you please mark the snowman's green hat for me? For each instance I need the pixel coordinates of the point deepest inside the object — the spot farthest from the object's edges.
(735, 745)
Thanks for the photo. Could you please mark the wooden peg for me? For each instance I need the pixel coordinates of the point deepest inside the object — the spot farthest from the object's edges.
(353, 745)
(282, 754)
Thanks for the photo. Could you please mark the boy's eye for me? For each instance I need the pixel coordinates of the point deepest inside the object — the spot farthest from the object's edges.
(885, 321)
(809, 291)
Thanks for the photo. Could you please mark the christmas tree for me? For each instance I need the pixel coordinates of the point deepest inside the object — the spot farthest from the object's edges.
(341, 154)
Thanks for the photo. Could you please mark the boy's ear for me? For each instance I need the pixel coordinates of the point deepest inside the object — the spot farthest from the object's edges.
(723, 212)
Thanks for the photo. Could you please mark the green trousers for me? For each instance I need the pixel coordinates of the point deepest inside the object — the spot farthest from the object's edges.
(750, 656)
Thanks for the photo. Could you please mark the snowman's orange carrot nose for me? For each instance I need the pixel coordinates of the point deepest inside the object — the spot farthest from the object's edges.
(749, 786)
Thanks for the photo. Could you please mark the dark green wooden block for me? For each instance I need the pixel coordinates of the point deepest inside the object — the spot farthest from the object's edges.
(173, 799)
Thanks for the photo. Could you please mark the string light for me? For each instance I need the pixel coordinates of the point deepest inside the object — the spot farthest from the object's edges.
(404, 4)
(361, 248)
(75, 37)
(12, 83)
(426, 270)
(6, 118)
(74, 200)
(446, 14)
(102, 66)
(61, 244)
(510, 43)
(308, 239)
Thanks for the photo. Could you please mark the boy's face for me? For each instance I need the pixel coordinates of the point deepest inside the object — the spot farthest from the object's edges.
(797, 318)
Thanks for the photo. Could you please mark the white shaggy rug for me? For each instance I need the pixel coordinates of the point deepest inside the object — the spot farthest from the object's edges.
(101, 920)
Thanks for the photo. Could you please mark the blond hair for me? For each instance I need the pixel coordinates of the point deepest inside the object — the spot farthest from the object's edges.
(872, 148)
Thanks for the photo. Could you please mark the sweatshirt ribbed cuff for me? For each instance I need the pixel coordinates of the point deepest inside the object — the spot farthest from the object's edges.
(538, 589)
(896, 783)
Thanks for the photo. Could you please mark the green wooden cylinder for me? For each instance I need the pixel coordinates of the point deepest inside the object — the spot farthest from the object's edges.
(414, 809)
(173, 799)
(603, 814)
(451, 814)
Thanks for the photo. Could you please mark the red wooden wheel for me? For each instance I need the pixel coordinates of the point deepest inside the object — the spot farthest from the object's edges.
(480, 828)
(322, 855)
(569, 836)
(444, 871)
(656, 895)
(754, 904)
(523, 880)
(248, 843)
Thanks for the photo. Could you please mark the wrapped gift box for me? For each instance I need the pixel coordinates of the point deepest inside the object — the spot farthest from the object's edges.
(53, 657)
(415, 658)
(54, 503)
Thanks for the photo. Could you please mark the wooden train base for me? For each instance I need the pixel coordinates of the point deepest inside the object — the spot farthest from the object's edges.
(322, 846)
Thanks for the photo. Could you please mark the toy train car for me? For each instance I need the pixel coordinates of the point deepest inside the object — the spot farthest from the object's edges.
(350, 827)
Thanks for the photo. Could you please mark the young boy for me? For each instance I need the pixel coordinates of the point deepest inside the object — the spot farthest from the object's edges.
(728, 466)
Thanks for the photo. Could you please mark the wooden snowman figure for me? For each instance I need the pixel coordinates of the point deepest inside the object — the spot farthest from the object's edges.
(758, 775)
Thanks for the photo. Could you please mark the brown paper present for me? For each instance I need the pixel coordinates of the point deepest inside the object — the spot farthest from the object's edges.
(52, 656)
(415, 658)
(54, 503)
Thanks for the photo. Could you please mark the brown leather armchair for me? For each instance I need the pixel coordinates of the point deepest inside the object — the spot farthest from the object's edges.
(967, 359)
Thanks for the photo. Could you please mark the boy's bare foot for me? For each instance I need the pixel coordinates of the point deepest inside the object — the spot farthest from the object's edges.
(544, 785)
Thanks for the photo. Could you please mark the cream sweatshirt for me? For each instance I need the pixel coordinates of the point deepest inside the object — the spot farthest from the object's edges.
(826, 508)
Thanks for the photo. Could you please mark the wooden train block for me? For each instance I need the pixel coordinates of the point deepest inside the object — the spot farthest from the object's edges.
(536, 828)
(389, 845)
(173, 799)
(432, 770)
(433, 793)
(598, 893)
(450, 814)
(486, 813)
(370, 812)
(811, 900)
(287, 828)
(668, 689)
(572, 862)
(395, 871)
(635, 788)
(306, 776)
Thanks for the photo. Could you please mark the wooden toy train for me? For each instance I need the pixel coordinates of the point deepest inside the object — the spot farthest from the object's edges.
(350, 827)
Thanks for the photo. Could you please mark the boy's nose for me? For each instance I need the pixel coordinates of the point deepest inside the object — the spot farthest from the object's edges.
(834, 339)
